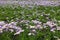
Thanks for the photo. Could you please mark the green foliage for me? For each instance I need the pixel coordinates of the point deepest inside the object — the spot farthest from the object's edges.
(9, 13)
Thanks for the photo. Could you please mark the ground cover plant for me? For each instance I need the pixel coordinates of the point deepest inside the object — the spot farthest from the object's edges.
(40, 13)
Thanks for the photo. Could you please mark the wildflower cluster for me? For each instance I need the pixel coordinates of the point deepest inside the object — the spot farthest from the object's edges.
(10, 27)
(39, 25)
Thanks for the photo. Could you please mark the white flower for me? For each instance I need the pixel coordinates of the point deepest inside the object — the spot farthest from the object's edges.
(1, 31)
(2, 23)
(53, 29)
(58, 28)
(0, 26)
(34, 30)
(58, 39)
(38, 27)
(36, 22)
(55, 37)
(59, 21)
(41, 15)
(51, 24)
(32, 26)
(44, 25)
(13, 23)
(29, 34)
(11, 30)
(19, 32)
(25, 21)
(5, 26)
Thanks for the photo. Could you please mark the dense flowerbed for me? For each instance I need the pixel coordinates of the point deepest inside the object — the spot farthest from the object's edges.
(38, 22)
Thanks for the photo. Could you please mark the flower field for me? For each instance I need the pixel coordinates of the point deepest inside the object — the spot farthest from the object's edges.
(29, 22)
